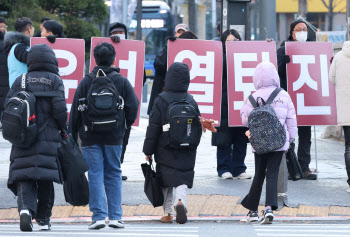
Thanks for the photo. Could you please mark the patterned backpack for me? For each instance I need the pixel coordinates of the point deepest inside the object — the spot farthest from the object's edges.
(266, 131)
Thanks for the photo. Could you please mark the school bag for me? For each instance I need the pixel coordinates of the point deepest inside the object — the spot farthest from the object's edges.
(105, 107)
(183, 129)
(266, 131)
(19, 118)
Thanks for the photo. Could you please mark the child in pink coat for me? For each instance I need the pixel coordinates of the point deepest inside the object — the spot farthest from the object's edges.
(266, 80)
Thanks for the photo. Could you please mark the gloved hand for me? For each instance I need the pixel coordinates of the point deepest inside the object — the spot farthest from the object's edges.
(286, 59)
(172, 38)
(207, 124)
(115, 38)
(51, 38)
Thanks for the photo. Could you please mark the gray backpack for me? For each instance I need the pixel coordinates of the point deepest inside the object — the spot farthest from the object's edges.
(266, 131)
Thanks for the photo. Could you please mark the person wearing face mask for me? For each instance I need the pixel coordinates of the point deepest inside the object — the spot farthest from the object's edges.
(231, 142)
(298, 33)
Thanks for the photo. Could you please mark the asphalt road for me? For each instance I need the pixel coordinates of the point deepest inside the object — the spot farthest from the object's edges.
(191, 229)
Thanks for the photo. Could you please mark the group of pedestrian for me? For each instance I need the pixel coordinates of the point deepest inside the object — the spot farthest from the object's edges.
(105, 106)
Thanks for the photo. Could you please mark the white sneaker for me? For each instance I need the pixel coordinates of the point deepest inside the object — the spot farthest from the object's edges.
(243, 175)
(116, 224)
(96, 225)
(348, 189)
(226, 175)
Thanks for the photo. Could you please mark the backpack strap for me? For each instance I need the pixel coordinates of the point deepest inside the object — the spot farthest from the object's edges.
(273, 95)
(253, 102)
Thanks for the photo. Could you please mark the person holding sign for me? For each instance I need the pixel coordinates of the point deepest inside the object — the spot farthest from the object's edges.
(298, 33)
(339, 75)
(231, 142)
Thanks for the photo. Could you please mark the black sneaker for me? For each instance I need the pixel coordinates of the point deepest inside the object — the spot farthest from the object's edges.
(252, 216)
(309, 176)
(268, 216)
(181, 217)
(124, 177)
(44, 225)
(25, 223)
(96, 225)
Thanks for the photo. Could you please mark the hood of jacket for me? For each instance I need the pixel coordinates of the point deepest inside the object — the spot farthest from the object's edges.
(106, 69)
(266, 75)
(346, 49)
(118, 25)
(177, 78)
(42, 58)
(12, 38)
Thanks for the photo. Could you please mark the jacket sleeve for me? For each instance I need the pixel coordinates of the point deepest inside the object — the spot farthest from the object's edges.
(21, 53)
(332, 72)
(131, 103)
(161, 61)
(282, 67)
(245, 113)
(75, 119)
(59, 106)
(291, 120)
(154, 130)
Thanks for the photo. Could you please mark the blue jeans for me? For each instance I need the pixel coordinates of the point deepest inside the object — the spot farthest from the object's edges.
(105, 179)
(231, 159)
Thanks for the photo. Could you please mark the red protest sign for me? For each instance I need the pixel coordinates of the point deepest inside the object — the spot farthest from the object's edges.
(307, 78)
(204, 58)
(130, 56)
(70, 54)
(242, 59)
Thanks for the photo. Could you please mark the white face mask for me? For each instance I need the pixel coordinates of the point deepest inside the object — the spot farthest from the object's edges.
(121, 36)
(301, 36)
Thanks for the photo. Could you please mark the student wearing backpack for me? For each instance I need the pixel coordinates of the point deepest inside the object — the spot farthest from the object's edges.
(104, 106)
(172, 136)
(34, 169)
(266, 80)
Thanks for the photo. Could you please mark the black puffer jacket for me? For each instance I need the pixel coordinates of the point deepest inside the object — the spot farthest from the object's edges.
(4, 74)
(39, 162)
(226, 135)
(160, 67)
(131, 105)
(175, 167)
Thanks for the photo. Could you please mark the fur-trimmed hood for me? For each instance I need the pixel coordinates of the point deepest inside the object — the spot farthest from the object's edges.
(12, 38)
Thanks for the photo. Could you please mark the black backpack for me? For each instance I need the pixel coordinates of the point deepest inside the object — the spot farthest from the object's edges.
(19, 118)
(183, 130)
(266, 131)
(105, 106)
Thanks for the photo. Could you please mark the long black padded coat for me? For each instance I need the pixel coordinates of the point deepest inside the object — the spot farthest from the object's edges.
(4, 74)
(40, 162)
(174, 167)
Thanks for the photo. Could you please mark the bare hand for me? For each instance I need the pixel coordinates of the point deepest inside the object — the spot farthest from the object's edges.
(247, 133)
(148, 158)
(208, 124)
(269, 40)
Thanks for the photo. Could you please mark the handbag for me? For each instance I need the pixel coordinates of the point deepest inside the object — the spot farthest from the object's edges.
(71, 159)
(76, 190)
(152, 187)
(294, 169)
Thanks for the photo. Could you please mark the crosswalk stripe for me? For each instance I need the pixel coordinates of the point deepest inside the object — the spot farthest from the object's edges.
(294, 230)
(100, 234)
(301, 235)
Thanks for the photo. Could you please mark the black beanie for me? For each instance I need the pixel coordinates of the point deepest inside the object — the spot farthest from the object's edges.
(293, 24)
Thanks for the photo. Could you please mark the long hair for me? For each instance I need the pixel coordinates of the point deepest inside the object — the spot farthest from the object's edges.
(226, 34)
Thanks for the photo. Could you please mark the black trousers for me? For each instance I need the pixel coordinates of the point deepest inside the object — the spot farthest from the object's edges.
(347, 151)
(304, 147)
(37, 196)
(266, 165)
(125, 143)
